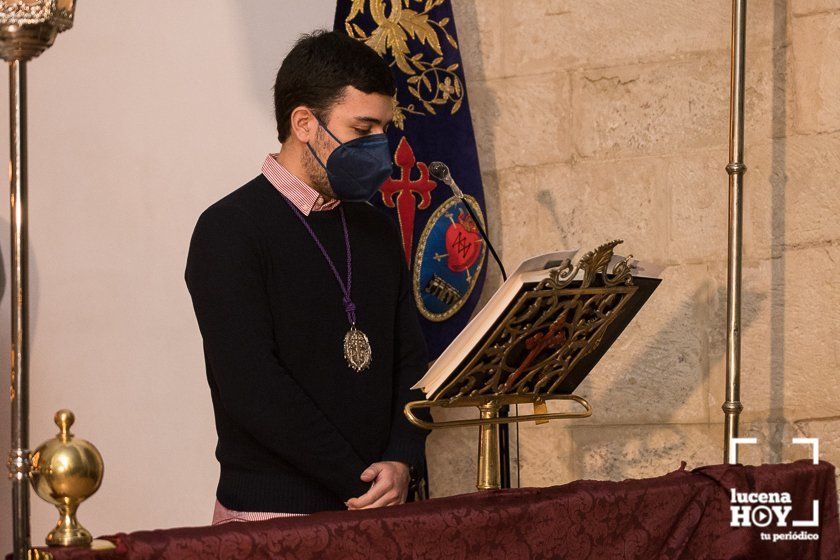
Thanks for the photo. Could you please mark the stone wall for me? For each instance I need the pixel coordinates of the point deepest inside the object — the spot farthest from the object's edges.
(601, 119)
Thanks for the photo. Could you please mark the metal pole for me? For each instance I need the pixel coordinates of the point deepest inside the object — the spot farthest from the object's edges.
(732, 407)
(504, 450)
(26, 30)
(19, 456)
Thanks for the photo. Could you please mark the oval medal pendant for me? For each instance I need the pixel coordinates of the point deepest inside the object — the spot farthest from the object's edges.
(357, 350)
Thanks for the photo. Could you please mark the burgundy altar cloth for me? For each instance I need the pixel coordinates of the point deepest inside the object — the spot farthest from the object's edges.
(684, 514)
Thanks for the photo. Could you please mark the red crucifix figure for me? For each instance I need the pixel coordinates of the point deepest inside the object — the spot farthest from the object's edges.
(399, 193)
(537, 344)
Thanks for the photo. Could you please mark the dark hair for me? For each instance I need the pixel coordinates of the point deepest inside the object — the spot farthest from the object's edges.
(318, 68)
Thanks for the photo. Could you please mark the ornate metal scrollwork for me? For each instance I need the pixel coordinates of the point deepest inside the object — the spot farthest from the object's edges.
(551, 327)
(19, 12)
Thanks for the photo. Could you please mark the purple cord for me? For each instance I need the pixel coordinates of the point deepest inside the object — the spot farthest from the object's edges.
(349, 306)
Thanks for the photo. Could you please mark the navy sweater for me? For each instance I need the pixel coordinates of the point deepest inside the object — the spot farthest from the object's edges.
(296, 426)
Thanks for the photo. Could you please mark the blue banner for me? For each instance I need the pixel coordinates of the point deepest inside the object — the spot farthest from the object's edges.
(443, 248)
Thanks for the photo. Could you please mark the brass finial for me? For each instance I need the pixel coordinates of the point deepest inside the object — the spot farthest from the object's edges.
(64, 419)
(65, 472)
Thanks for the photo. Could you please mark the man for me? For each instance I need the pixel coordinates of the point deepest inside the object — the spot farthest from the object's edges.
(303, 300)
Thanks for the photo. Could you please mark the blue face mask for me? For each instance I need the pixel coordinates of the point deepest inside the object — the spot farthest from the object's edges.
(356, 169)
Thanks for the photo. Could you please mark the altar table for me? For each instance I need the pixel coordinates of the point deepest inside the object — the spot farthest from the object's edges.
(684, 514)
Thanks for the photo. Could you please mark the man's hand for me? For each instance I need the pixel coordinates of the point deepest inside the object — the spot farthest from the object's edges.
(390, 486)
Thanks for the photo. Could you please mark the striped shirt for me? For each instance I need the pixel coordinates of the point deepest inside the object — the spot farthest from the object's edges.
(221, 514)
(307, 200)
(304, 197)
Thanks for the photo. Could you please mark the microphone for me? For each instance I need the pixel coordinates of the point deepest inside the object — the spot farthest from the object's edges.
(440, 171)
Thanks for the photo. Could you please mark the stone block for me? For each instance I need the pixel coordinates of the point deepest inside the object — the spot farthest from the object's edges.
(642, 451)
(625, 199)
(562, 206)
(669, 210)
(807, 7)
(657, 370)
(791, 194)
(493, 279)
(479, 25)
(583, 205)
(811, 295)
(526, 214)
(546, 453)
(666, 107)
(765, 189)
(617, 126)
(811, 193)
(522, 121)
(816, 72)
(538, 35)
(699, 203)
(452, 454)
(790, 336)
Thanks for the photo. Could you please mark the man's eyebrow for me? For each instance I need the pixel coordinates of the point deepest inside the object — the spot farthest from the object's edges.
(371, 120)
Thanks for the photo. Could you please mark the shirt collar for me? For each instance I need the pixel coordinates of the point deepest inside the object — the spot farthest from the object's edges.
(305, 198)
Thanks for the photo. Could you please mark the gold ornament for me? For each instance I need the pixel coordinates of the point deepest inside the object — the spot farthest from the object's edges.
(65, 472)
(431, 83)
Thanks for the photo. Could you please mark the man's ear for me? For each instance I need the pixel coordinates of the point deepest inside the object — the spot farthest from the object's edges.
(303, 124)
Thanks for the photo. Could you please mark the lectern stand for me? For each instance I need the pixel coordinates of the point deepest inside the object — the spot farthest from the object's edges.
(540, 349)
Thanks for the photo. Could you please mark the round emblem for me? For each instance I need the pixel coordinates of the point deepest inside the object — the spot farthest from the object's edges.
(449, 257)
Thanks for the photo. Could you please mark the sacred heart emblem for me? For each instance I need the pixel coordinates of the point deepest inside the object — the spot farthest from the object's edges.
(463, 243)
(449, 258)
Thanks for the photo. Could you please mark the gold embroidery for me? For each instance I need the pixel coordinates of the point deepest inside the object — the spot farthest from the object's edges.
(428, 81)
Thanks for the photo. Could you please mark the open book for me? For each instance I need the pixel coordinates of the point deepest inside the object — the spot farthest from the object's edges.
(528, 274)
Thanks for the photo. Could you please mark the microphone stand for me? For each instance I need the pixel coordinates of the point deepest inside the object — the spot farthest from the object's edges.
(441, 172)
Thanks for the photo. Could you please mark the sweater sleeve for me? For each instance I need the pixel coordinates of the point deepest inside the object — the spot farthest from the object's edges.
(223, 276)
(407, 442)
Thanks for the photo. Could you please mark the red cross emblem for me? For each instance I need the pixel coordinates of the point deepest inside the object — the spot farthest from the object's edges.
(400, 193)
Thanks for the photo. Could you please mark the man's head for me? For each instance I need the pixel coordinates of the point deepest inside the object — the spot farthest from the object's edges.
(339, 81)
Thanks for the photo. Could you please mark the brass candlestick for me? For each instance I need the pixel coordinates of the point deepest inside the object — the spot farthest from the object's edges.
(27, 28)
